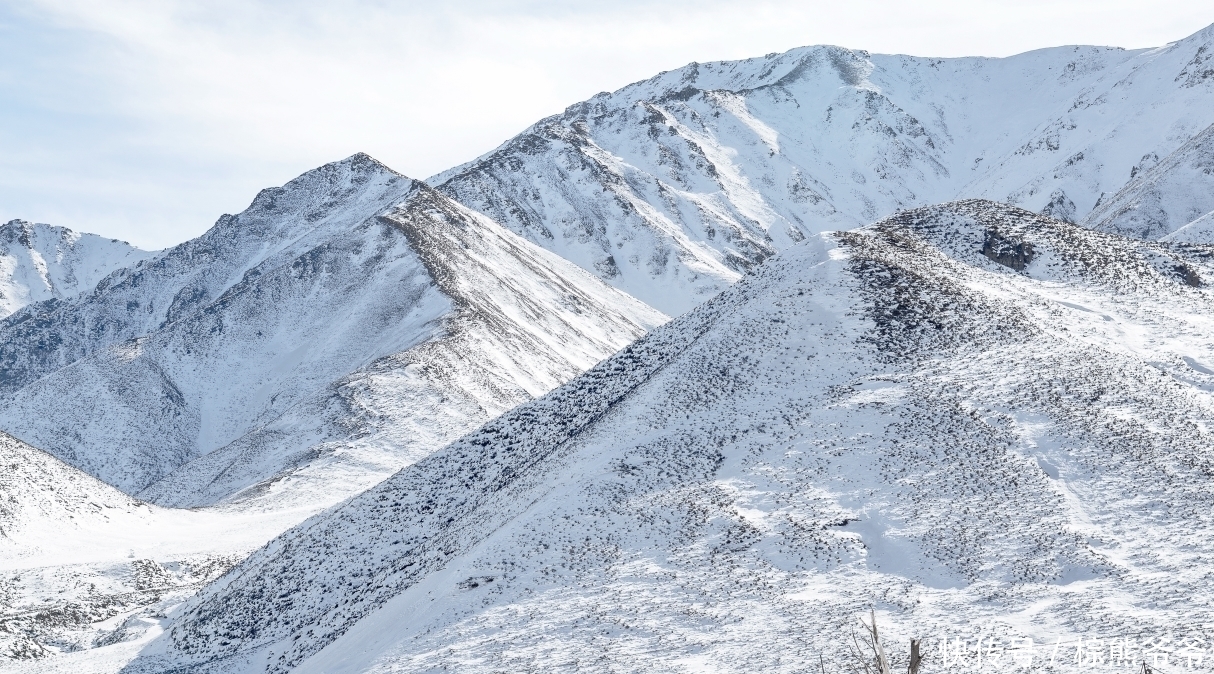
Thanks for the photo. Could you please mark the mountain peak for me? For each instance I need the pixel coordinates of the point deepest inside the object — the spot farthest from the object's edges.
(317, 193)
(363, 163)
(41, 262)
(22, 231)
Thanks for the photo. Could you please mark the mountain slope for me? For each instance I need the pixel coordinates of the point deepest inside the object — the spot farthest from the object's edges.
(524, 322)
(671, 188)
(1200, 230)
(966, 415)
(273, 336)
(40, 262)
(1165, 197)
(41, 491)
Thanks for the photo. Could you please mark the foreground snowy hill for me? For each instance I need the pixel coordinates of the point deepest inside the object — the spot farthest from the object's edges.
(671, 188)
(980, 421)
(40, 262)
(353, 319)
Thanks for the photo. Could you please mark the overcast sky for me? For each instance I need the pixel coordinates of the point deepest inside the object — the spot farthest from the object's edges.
(146, 119)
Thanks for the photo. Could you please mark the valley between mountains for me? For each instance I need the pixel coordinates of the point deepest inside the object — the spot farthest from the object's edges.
(684, 378)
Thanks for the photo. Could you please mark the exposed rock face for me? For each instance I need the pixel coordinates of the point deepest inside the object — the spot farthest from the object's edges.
(1013, 254)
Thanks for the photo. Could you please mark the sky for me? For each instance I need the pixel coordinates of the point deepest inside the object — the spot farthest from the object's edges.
(145, 120)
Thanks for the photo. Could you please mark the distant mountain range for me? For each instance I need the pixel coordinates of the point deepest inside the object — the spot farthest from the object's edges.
(942, 348)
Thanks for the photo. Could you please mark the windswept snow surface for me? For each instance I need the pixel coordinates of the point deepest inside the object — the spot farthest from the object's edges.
(341, 327)
(977, 420)
(40, 262)
(672, 188)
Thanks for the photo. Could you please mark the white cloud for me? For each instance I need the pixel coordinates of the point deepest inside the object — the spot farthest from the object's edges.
(146, 119)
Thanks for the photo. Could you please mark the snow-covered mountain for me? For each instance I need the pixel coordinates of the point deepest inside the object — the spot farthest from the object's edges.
(351, 321)
(963, 415)
(978, 420)
(40, 262)
(673, 187)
